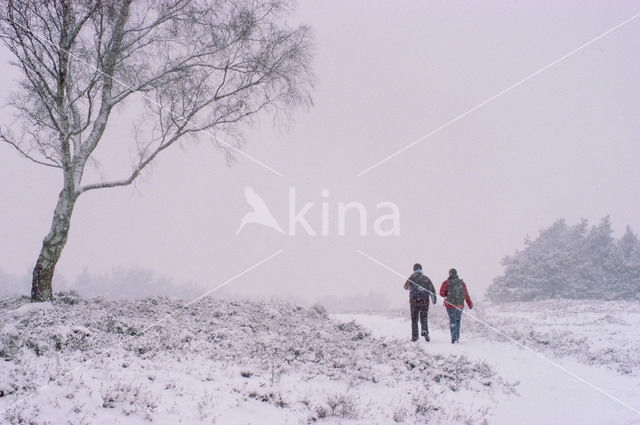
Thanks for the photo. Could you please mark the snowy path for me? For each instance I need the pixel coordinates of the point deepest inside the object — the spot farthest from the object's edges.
(546, 394)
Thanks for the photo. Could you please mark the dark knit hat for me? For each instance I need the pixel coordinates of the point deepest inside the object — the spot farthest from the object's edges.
(453, 273)
(417, 266)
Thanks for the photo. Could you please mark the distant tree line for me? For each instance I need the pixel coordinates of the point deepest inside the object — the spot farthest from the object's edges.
(119, 283)
(573, 262)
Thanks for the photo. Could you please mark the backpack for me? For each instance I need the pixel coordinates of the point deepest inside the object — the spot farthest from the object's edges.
(419, 292)
(455, 294)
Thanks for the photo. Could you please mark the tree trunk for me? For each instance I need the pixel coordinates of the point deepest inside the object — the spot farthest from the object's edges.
(52, 245)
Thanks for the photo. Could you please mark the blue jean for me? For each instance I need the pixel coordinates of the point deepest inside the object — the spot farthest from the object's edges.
(455, 315)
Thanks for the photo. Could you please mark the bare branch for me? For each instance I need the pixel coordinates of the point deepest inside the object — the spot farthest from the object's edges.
(134, 174)
(25, 154)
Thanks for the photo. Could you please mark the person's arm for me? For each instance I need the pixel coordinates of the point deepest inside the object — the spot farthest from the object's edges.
(407, 284)
(432, 290)
(467, 297)
(444, 289)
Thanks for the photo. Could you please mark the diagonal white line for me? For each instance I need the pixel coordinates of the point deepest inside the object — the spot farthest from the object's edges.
(145, 96)
(494, 97)
(540, 355)
(151, 326)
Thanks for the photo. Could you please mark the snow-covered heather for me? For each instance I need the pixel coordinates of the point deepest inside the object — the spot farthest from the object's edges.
(598, 333)
(89, 362)
(598, 342)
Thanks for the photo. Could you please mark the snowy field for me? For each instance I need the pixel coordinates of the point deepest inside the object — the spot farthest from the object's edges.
(581, 364)
(96, 361)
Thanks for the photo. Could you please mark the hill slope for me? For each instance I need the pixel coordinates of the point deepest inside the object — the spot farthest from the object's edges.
(96, 361)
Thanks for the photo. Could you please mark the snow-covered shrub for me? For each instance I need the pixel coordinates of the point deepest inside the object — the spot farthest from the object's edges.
(343, 405)
(9, 343)
(130, 398)
(351, 328)
(27, 416)
(423, 407)
(400, 414)
(72, 297)
(206, 405)
(319, 310)
(478, 417)
(275, 398)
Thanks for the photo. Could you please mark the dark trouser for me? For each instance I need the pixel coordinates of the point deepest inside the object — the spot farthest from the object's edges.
(419, 311)
(455, 315)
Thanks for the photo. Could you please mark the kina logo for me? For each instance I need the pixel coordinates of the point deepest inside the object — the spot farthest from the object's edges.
(323, 217)
(261, 213)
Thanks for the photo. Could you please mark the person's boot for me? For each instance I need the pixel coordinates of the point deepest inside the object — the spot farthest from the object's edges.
(426, 336)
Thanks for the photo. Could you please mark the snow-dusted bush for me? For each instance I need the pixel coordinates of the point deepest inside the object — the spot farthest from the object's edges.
(343, 405)
(132, 399)
(400, 414)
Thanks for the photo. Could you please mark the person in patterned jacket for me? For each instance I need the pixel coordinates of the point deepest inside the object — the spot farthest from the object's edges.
(420, 290)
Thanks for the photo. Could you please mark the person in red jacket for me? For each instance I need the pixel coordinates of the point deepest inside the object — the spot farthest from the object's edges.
(455, 293)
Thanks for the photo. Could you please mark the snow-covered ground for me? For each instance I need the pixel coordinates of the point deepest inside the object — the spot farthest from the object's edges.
(583, 366)
(96, 361)
(78, 361)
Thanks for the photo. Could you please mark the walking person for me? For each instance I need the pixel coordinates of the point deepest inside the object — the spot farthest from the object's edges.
(455, 293)
(420, 290)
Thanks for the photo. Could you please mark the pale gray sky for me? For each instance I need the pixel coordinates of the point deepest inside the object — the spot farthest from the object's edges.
(565, 144)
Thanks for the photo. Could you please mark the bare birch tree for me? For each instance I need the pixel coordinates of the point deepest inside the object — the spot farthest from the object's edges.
(201, 66)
